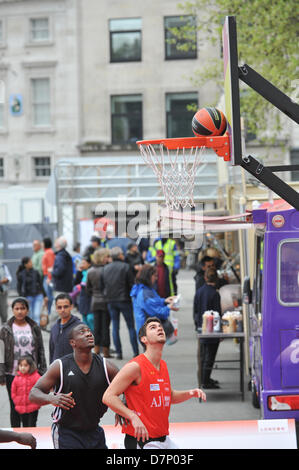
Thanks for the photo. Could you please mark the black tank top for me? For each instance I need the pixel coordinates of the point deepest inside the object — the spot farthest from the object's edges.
(88, 390)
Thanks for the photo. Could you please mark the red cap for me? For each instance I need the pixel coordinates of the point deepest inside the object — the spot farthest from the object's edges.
(160, 253)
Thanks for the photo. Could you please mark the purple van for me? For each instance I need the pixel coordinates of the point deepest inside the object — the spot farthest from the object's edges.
(274, 314)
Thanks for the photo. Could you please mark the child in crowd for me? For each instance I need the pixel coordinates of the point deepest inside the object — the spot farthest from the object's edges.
(23, 382)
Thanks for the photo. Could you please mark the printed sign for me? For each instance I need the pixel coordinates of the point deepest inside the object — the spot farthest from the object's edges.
(16, 104)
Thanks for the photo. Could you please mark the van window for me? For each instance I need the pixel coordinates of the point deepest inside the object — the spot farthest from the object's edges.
(257, 289)
(288, 272)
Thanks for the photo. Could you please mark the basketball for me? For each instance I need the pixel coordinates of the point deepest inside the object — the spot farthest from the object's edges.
(209, 121)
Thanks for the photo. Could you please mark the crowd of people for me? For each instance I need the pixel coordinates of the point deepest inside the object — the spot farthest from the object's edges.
(99, 285)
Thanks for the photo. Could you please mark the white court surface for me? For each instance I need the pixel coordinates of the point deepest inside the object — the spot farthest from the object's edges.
(254, 434)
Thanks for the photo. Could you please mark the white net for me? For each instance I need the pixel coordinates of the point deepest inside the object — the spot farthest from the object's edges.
(175, 170)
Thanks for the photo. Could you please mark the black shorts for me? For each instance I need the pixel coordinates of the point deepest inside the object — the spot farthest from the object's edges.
(64, 438)
(131, 441)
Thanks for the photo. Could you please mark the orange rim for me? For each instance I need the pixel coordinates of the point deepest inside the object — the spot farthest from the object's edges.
(220, 144)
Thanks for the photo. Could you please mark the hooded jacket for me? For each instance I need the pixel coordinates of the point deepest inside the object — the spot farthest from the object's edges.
(59, 343)
(7, 348)
(20, 389)
(147, 303)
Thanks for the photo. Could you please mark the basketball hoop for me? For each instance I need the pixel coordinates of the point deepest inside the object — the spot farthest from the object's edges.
(175, 162)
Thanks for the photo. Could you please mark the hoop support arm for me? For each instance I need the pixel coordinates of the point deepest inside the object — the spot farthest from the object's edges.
(220, 144)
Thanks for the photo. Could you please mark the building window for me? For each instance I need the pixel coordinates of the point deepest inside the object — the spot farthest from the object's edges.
(41, 106)
(125, 39)
(178, 116)
(180, 37)
(126, 117)
(1, 115)
(42, 166)
(39, 29)
(294, 159)
(1, 167)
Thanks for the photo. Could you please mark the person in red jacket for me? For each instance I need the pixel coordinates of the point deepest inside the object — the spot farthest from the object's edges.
(25, 379)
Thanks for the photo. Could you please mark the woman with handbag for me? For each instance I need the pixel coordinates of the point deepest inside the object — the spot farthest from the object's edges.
(95, 288)
(147, 302)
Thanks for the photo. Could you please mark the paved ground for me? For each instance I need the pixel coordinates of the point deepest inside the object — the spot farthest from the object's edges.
(222, 405)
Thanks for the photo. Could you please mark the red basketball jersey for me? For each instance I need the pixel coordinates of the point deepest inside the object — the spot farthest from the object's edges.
(151, 398)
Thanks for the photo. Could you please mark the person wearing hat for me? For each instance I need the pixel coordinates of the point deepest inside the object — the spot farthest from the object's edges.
(20, 336)
(95, 245)
(162, 284)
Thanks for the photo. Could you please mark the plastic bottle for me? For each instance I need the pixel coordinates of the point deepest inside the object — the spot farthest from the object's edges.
(210, 321)
(216, 322)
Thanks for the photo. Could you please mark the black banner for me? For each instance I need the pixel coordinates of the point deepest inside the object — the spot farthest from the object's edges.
(16, 241)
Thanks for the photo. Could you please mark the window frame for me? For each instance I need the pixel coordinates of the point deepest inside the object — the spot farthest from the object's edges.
(168, 113)
(2, 167)
(278, 293)
(32, 104)
(112, 115)
(40, 42)
(35, 167)
(166, 38)
(3, 40)
(114, 61)
(3, 80)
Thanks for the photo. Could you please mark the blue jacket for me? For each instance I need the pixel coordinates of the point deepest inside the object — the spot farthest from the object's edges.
(147, 303)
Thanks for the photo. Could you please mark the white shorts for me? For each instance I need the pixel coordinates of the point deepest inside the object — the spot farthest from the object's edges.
(167, 444)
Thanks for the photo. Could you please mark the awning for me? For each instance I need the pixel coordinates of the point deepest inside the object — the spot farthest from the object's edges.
(188, 223)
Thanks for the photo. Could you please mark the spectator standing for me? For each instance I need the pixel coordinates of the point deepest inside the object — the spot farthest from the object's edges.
(47, 265)
(37, 256)
(20, 336)
(143, 246)
(95, 245)
(62, 274)
(76, 258)
(134, 258)
(5, 280)
(24, 380)
(171, 258)
(59, 344)
(206, 263)
(99, 308)
(162, 284)
(84, 303)
(118, 281)
(30, 285)
(207, 298)
(146, 301)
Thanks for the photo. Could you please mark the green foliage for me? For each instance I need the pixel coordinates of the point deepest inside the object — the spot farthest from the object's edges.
(267, 41)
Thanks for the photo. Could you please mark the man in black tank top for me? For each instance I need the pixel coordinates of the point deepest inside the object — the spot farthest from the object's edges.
(79, 381)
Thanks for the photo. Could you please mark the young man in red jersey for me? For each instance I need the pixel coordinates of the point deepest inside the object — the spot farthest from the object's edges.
(148, 393)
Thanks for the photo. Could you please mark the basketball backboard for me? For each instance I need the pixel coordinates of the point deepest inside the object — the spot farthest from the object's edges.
(231, 88)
